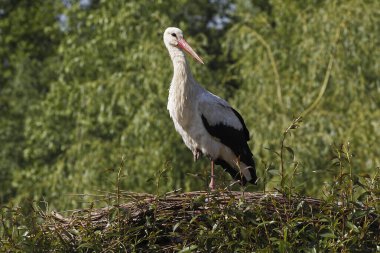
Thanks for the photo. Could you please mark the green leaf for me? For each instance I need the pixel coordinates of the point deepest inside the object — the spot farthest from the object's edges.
(352, 227)
(176, 226)
(328, 235)
(188, 249)
(290, 150)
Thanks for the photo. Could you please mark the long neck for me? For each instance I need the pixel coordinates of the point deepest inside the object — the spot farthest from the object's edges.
(183, 82)
(182, 73)
(183, 88)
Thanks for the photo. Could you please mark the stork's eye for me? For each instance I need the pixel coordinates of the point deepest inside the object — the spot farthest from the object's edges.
(174, 35)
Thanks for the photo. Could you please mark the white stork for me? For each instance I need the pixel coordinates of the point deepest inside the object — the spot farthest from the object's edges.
(207, 123)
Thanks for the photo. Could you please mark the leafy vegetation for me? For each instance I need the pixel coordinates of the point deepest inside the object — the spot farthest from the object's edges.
(206, 222)
(223, 220)
(83, 90)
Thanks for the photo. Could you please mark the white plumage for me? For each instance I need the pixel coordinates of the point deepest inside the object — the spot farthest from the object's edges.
(207, 123)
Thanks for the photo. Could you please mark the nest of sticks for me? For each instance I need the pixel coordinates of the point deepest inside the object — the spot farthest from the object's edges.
(179, 207)
(145, 212)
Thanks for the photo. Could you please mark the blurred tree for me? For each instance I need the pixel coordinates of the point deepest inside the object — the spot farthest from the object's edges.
(84, 86)
(28, 41)
(109, 100)
(281, 53)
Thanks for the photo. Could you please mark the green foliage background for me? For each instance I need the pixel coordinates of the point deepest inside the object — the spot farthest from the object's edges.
(83, 90)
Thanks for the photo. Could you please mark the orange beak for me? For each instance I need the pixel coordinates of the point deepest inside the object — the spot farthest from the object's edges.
(183, 45)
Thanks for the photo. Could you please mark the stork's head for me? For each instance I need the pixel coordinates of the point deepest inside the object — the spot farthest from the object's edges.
(173, 38)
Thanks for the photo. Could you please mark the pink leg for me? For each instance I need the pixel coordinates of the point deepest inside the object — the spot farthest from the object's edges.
(212, 182)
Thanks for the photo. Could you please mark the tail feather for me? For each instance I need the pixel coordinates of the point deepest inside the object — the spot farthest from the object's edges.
(245, 155)
(236, 174)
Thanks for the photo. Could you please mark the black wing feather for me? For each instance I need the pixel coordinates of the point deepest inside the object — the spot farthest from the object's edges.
(236, 140)
(245, 129)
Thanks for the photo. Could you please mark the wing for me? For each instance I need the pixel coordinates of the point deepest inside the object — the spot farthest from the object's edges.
(226, 124)
(221, 120)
